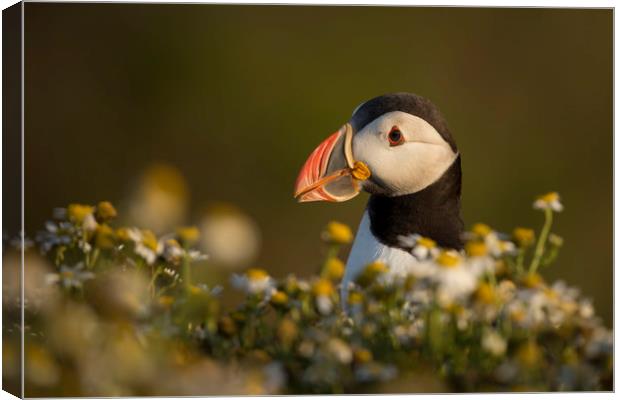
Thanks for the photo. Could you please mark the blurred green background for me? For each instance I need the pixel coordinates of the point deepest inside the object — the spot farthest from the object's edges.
(236, 97)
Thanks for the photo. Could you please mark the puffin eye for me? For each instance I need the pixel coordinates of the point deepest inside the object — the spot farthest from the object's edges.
(396, 137)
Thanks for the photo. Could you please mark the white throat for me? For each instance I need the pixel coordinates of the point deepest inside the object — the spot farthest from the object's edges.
(367, 249)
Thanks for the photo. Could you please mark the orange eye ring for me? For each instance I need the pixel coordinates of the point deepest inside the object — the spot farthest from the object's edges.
(395, 137)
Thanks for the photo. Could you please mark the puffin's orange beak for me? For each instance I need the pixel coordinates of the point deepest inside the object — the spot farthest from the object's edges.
(330, 173)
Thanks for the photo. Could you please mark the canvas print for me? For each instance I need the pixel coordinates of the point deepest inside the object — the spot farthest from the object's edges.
(211, 199)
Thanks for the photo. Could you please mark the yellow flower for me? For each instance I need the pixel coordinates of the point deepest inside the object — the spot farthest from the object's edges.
(517, 314)
(355, 298)
(279, 298)
(78, 212)
(188, 234)
(454, 308)
(532, 280)
(556, 240)
(104, 237)
(149, 239)
(323, 287)
(287, 331)
(362, 356)
(105, 211)
(254, 281)
(485, 293)
(570, 356)
(448, 259)
(549, 197)
(123, 234)
(426, 242)
(227, 325)
(371, 272)
(376, 268)
(165, 301)
(529, 354)
(524, 237)
(338, 233)
(334, 268)
(481, 229)
(549, 201)
(256, 274)
(195, 290)
(476, 249)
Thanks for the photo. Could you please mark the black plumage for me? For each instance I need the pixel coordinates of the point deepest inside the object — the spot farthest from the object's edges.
(433, 212)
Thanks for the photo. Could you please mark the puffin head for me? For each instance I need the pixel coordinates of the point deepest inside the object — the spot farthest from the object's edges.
(393, 145)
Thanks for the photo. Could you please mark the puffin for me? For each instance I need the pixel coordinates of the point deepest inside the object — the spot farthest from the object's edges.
(397, 147)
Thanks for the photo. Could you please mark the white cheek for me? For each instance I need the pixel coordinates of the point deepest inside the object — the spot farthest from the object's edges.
(404, 169)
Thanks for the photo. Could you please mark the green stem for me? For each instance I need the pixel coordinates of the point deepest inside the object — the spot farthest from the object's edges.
(520, 259)
(154, 274)
(93, 261)
(332, 252)
(187, 277)
(540, 245)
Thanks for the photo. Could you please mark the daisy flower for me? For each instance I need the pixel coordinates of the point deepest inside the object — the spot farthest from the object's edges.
(254, 281)
(421, 247)
(323, 290)
(454, 278)
(337, 233)
(549, 201)
(70, 277)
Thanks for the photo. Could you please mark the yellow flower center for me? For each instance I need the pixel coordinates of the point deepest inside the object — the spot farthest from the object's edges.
(481, 229)
(334, 268)
(448, 259)
(523, 236)
(476, 249)
(362, 356)
(485, 293)
(376, 267)
(193, 289)
(279, 298)
(77, 212)
(556, 240)
(360, 171)
(188, 234)
(551, 294)
(67, 274)
(517, 315)
(166, 178)
(569, 306)
(426, 242)
(256, 274)
(227, 325)
(105, 211)
(287, 330)
(149, 239)
(172, 243)
(355, 298)
(323, 287)
(533, 280)
(455, 308)
(165, 301)
(123, 234)
(505, 245)
(549, 197)
(104, 237)
(528, 354)
(338, 233)
(371, 272)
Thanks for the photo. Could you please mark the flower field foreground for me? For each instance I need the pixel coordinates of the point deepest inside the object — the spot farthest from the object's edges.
(119, 314)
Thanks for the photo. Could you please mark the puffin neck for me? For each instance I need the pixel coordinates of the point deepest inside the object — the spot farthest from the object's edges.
(433, 212)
